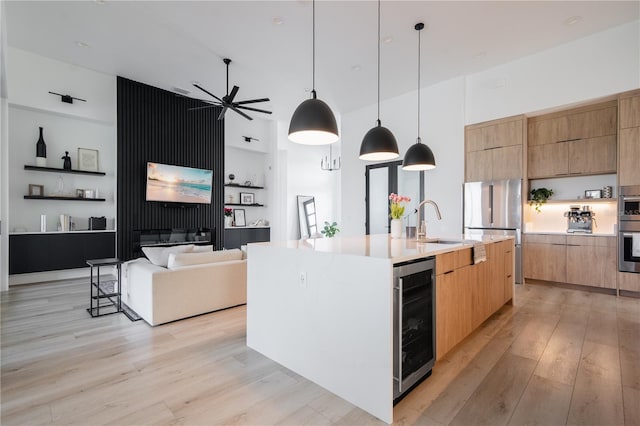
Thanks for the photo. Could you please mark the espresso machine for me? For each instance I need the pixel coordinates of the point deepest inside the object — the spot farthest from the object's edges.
(580, 220)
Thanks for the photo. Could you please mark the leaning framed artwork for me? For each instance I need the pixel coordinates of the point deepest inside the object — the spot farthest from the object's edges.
(247, 198)
(239, 218)
(88, 159)
(36, 190)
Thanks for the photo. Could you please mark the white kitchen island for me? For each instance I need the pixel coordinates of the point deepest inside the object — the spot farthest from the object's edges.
(323, 308)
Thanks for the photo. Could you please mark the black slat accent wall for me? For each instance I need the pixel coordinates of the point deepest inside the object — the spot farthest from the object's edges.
(155, 125)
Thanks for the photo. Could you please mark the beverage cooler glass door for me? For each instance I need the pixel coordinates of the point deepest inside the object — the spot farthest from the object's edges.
(414, 317)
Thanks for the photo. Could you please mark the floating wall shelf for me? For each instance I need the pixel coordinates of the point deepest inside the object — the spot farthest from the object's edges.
(237, 185)
(39, 197)
(56, 170)
(244, 205)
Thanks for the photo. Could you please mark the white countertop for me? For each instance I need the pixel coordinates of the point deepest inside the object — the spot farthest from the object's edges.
(382, 246)
(568, 233)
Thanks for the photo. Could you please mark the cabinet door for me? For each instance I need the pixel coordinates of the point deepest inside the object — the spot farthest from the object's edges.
(595, 123)
(478, 166)
(453, 309)
(593, 156)
(503, 134)
(629, 281)
(630, 112)
(509, 278)
(473, 140)
(550, 160)
(495, 278)
(480, 293)
(507, 162)
(591, 261)
(545, 262)
(629, 171)
(551, 130)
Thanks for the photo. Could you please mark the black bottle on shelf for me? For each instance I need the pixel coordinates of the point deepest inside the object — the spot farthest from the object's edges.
(67, 161)
(41, 151)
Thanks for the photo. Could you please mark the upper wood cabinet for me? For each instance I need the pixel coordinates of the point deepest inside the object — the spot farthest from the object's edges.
(629, 139)
(581, 141)
(494, 149)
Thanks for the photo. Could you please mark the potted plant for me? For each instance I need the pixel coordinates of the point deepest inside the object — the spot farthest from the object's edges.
(539, 196)
(330, 229)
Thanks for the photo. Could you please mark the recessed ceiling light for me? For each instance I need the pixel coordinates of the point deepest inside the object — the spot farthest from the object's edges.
(82, 44)
(307, 89)
(277, 21)
(387, 39)
(195, 82)
(181, 90)
(100, 2)
(356, 68)
(573, 20)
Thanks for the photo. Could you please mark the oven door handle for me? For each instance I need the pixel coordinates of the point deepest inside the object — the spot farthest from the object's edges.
(629, 234)
(630, 198)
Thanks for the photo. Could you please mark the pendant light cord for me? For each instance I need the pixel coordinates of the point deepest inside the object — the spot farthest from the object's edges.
(313, 83)
(378, 62)
(419, 85)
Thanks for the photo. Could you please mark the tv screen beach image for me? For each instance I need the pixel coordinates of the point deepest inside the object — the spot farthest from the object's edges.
(178, 184)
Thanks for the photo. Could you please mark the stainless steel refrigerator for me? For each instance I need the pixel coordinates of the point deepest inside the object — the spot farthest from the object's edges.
(495, 208)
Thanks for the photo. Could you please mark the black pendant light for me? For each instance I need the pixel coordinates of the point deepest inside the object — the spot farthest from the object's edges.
(379, 143)
(419, 156)
(313, 122)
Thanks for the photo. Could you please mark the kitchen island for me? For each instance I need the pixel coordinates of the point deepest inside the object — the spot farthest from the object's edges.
(323, 308)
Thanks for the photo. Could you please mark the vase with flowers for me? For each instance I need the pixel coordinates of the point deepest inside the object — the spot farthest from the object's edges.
(396, 212)
(228, 217)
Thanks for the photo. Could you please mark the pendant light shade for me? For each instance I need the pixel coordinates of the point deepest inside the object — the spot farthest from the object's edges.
(419, 156)
(313, 122)
(379, 143)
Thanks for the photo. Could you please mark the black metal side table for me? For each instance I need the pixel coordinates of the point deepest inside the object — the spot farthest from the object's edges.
(109, 299)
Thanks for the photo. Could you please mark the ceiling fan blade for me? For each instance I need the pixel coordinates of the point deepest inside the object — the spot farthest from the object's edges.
(224, 110)
(240, 112)
(233, 94)
(252, 109)
(207, 92)
(202, 107)
(252, 101)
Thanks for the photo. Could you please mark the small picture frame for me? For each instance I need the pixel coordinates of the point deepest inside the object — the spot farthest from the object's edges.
(80, 193)
(88, 193)
(593, 193)
(36, 190)
(239, 218)
(247, 198)
(88, 159)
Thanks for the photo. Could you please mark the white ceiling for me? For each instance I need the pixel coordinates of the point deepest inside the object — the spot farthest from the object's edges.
(173, 43)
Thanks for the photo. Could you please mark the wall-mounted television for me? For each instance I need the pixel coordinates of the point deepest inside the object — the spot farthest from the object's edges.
(178, 184)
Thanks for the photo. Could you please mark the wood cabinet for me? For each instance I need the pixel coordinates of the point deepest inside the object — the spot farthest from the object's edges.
(629, 139)
(545, 257)
(493, 150)
(573, 259)
(629, 281)
(582, 141)
(467, 294)
(591, 261)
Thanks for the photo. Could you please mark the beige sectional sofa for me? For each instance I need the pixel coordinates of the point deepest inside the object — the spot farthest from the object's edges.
(192, 284)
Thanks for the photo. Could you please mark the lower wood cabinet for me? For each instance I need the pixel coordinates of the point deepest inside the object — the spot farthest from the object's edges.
(468, 294)
(629, 281)
(573, 259)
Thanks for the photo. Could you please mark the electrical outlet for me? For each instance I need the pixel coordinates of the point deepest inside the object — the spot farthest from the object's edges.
(303, 279)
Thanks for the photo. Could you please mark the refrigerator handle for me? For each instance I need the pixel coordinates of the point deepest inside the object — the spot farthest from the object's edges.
(491, 204)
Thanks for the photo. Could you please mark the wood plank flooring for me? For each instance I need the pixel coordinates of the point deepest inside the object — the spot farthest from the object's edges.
(557, 356)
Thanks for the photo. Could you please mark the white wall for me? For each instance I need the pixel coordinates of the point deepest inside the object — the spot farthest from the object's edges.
(4, 154)
(592, 67)
(442, 128)
(67, 127)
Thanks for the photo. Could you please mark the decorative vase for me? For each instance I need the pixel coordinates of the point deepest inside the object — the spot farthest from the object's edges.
(67, 161)
(228, 221)
(396, 228)
(41, 151)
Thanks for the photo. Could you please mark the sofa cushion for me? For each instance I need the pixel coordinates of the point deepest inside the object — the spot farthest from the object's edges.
(178, 260)
(160, 255)
(200, 249)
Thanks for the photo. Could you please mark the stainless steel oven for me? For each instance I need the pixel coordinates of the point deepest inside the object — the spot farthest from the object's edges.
(629, 229)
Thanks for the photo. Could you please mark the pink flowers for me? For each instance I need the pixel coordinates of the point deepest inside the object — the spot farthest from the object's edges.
(397, 210)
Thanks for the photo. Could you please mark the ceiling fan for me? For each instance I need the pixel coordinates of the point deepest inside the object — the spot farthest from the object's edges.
(227, 101)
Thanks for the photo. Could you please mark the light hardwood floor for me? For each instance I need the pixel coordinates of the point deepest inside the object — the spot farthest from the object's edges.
(558, 356)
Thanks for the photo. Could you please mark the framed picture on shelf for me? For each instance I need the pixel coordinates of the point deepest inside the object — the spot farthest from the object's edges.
(36, 190)
(88, 193)
(239, 218)
(247, 198)
(88, 159)
(593, 193)
(80, 193)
